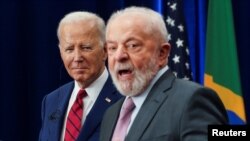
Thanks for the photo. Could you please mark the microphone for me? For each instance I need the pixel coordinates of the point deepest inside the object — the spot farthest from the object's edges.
(55, 115)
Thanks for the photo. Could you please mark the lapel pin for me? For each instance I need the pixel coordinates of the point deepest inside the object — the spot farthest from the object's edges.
(108, 100)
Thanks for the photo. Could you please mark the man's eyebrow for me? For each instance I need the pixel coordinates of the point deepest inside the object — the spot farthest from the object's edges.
(109, 41)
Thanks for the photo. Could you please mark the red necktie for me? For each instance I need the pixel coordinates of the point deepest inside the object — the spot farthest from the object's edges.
(123, 121)
(74, 119)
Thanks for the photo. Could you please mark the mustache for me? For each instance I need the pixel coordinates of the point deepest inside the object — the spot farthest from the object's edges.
(124, 66)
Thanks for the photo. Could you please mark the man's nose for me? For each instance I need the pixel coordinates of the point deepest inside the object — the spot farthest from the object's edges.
(121, 54)
(78, 55)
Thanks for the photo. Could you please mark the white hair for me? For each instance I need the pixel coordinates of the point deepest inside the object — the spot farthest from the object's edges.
(79, 16)
(155, 20)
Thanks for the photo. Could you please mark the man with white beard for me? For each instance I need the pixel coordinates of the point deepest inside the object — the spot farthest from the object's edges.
(161, 107)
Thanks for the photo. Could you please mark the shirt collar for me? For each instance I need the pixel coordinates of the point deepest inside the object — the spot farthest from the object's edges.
(95, 88)
(138, 100)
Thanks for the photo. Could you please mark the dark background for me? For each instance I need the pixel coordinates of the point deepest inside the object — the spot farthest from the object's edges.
(30, 64)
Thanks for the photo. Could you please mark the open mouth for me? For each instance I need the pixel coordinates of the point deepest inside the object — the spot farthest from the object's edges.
(124, 72)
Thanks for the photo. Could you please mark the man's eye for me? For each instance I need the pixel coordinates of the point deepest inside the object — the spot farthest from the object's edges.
(112, 48)
(132, 45)
(69, 49)
(86, 48)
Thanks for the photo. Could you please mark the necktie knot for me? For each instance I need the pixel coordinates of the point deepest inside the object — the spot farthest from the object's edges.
(128, 105)
(81, 94)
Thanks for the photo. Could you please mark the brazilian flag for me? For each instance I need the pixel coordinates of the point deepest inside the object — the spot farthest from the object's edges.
(221, 65)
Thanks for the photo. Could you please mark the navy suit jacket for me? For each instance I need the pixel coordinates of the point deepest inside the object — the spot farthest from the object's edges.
(54, 107)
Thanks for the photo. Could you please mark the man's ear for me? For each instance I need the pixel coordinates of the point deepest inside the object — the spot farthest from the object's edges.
(60, 50)
(164, 53)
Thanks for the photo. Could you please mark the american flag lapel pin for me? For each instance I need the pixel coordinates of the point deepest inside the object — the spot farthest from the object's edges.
(108, 100)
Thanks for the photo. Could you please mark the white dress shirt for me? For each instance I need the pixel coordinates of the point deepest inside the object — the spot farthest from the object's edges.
(92, 93)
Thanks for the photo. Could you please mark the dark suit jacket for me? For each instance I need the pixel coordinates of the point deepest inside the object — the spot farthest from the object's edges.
(174, 110)
(54, 107)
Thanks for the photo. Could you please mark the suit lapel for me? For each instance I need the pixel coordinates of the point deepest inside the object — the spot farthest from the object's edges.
(107, 96)
(150, 106)
(57, 115)
(112, 120)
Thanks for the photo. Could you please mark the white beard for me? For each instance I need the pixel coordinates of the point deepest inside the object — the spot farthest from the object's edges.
(142, 78)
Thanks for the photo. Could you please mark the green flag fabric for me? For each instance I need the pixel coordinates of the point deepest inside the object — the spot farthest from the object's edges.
(221, 63)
